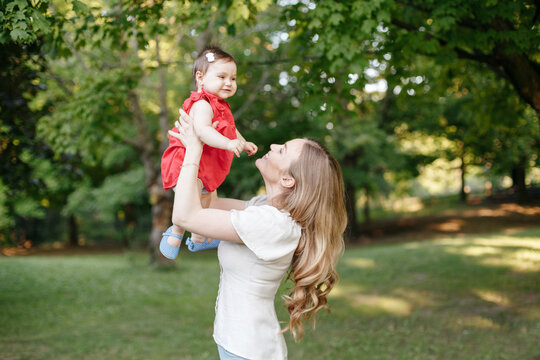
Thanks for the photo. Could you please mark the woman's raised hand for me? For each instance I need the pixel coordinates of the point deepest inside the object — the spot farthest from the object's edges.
(186, 131)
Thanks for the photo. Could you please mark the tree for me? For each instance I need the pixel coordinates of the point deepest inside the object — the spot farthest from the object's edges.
(19, 190)
(110, 80)
(501, 35)
(363, 40)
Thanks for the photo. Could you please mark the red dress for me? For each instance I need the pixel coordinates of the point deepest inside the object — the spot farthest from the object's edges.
(215, 163)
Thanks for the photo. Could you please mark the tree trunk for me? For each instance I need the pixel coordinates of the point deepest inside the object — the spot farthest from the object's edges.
(462, 168)
(73, 231)
(161, 219)
(518, 181)
(350, 203)
(164, 121)
(523, 72)
(159, 198)
(367, 213)
(525, 76)
(128, 225)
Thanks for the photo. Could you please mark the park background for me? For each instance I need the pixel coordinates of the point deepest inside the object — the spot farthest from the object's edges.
(431, 108)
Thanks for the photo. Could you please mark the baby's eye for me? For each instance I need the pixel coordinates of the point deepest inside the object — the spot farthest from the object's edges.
(280, 150)
(221, 77)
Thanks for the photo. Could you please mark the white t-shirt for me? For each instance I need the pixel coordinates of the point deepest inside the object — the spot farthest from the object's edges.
(246, 323)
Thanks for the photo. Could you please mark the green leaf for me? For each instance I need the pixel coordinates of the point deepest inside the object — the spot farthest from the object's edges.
(261, 5)
(335, 19)
(369, 26)
(19, 35)
(314, 24)
(21, 4)
(40, 22)
(80, 8)
(238, 11)
(28, 207)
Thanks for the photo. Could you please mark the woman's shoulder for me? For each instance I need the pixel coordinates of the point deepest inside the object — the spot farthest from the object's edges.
(268, 232)
(262, 219)
(257, 201)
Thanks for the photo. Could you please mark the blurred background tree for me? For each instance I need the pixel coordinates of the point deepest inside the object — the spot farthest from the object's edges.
(89, 91)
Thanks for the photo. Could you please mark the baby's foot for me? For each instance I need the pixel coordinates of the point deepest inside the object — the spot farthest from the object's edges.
(170, 243)
(201, 245)
(196, 238)
(173, 240)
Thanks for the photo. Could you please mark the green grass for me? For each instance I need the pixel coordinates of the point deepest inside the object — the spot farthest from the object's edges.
(457, 298)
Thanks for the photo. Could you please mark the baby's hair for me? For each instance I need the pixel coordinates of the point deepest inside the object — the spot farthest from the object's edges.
(201, 62)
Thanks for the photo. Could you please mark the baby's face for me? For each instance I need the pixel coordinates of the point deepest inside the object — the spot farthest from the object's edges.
(220, 79)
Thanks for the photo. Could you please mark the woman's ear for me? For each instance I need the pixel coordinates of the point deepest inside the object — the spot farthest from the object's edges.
(287, 182)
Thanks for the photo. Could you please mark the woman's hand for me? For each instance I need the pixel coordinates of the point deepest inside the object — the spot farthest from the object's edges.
(186, 132)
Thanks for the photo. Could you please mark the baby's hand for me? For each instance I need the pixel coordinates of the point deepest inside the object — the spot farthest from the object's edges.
(236, 146)
(250, 148)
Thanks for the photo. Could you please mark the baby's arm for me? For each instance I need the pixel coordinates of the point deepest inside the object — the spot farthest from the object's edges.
(249, 147)
(202, 115)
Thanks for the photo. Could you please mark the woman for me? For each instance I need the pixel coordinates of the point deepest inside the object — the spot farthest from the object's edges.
(297, 226)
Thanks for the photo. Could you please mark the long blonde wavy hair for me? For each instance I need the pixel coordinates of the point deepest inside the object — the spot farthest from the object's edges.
(317, 204)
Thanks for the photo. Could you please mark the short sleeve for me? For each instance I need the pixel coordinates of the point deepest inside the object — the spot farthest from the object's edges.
(268, 232)
(256, 201)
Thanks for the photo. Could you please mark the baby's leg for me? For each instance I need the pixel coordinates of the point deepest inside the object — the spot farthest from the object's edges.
(172, 240)
(206, 199)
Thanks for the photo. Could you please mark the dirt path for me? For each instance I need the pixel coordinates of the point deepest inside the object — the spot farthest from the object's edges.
(479, 219)
(485, 218)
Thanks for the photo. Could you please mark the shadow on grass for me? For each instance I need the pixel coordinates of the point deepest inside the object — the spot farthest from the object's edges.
(469, 298)
(475, 297)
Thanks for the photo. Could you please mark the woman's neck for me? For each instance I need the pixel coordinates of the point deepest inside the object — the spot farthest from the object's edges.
(272, 196)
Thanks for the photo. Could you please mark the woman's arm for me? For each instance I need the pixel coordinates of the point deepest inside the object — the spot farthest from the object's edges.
(187, 210)
(226, 203)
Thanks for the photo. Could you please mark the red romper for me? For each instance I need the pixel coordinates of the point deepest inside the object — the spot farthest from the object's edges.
(215, 163)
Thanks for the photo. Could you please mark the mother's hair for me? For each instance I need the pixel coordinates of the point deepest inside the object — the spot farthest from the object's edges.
(317, 203)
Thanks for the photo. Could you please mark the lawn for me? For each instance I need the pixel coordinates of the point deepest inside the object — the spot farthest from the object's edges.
(474, 297)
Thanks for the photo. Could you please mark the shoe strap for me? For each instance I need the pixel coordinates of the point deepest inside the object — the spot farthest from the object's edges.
(172, 234)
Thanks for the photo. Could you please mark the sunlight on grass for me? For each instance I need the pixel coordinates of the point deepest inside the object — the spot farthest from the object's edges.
(518, 254)
(474, 321)
(453, 225)
(476, 251)
(432, 299)
(501, 241)
(371, 304)
(492, 297)
(412, 245)
(361, 263)
(521, 261)
(419, 299)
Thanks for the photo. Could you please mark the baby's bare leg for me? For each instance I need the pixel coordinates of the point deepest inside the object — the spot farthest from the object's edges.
(206, 199)
(174, 241)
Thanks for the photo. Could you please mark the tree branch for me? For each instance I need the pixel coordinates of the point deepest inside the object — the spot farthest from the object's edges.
(252, 96)
(162, 94)
(60, 81)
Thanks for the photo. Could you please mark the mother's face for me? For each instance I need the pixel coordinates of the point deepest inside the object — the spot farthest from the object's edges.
(274, 166)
